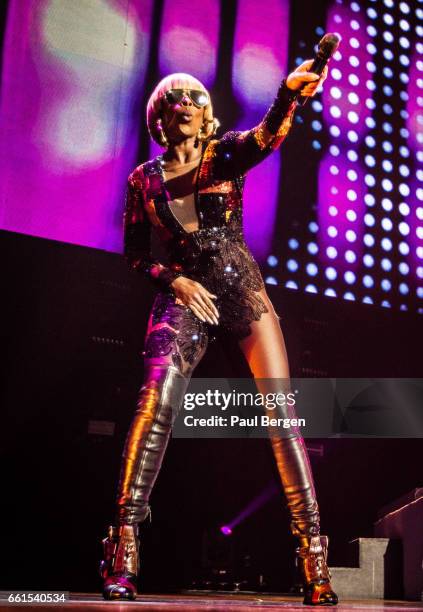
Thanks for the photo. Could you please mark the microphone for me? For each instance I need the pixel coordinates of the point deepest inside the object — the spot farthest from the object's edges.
(327, 47)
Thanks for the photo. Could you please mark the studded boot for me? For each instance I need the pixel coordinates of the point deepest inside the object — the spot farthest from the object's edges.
(312, 564)
(159, 400)
(120, 564)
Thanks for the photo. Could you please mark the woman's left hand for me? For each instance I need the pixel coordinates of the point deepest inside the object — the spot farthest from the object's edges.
(308, 81)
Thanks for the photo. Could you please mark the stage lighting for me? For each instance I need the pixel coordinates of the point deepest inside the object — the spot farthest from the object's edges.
(311, 269)
(330, 292)
(387, 185)
(387, 224)
(386, 244)
(311, 289)
(404, 228)
(291, 284)
(335, 111)
(369, 219)
(331, 273)
(404, 249)
(368, 240)
(226, 530)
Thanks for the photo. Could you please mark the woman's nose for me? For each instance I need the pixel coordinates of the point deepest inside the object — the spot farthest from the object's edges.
(186, 100)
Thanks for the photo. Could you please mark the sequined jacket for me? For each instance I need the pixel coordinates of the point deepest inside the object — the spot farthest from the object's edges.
(216, 254)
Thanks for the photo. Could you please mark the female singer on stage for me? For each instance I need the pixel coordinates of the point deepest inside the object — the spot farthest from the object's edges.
(192, 196)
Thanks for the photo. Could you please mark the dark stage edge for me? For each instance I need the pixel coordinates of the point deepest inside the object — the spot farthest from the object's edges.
(212, 601)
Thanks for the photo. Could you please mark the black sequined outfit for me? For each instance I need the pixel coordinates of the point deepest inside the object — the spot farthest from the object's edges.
(216, 254)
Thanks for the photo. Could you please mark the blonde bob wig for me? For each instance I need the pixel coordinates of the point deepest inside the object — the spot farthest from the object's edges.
(177, 80)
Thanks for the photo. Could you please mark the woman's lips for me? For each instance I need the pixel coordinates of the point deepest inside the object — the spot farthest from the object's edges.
(185, 117)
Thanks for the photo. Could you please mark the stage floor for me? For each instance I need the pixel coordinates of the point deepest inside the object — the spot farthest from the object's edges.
(207, 601)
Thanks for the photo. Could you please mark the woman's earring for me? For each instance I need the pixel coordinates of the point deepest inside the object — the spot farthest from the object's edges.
(162, 136)
(201, 136)
(216, 125)
(197, 139)
(205, 133)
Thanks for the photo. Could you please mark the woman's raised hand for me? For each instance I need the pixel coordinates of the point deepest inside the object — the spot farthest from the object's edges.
(309, 81)
(195, 296)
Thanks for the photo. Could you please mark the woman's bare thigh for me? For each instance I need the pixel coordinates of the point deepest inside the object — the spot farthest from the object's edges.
(265, 349)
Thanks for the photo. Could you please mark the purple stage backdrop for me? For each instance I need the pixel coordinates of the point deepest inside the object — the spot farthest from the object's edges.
(72, 77)
(74, 85)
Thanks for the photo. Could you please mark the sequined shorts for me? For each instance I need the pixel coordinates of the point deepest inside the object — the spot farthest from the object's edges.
(176, 336)
(220, 260)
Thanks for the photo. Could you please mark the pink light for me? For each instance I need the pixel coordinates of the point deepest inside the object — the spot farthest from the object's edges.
(251, 507)
(259, 64)
(189, 39)
(71, 122)
(226, 530)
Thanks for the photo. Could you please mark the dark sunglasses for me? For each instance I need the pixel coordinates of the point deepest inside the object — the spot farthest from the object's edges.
(197, 97)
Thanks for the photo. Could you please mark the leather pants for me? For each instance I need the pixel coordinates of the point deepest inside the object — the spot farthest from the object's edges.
(175, 342)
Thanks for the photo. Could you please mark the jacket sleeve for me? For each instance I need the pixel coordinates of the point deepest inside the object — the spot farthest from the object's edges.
(137, 237)
(237, 152)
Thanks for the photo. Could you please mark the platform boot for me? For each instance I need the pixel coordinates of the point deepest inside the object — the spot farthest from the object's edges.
(297, 479)
(159, 402)
(120, 565)
(312, 564)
